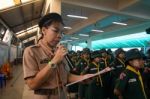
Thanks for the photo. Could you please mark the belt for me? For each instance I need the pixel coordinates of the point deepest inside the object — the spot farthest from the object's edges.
(47, 91)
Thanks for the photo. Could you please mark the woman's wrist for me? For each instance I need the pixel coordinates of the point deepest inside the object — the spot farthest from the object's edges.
(52, 64)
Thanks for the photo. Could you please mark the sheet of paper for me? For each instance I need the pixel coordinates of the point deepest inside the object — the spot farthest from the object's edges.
(107, 69)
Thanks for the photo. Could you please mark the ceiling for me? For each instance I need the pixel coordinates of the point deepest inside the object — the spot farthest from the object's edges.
(100, 13)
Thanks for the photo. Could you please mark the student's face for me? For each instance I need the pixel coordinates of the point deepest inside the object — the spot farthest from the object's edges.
(97, 59)
(86, 55)
(104, 54)
(138, 63)
(53, 33)
(121, 55)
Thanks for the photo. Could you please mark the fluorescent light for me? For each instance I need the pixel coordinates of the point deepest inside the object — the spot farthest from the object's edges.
(6, 4)
(66, 27)
(97, 30)
(63, 41)
(83, 35)
(28, 29)
(20, 32)
(119, 23)
(32, 27)
(74, 38)
(76, 16)
(68, 40)
(29, 39)
(27, 32)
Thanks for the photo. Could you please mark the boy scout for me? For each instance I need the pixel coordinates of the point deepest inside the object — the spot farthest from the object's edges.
(119, 62)
(105, 62)
(119, 66)
(95, 88)
(82, 64)
(130, 84)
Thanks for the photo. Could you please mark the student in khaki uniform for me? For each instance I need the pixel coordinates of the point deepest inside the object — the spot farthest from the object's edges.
(130, 84)
(45, 68)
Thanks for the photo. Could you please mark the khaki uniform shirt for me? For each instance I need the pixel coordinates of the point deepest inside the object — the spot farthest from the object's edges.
(34, 60)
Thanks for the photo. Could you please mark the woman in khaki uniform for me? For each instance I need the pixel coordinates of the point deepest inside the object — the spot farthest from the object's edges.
(45, 68)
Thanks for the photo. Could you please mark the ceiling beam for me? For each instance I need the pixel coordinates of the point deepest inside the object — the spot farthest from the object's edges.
(122, 4)
(116, 9)
(91, 20)
(27, 22)
(4, 22)
(19, 5)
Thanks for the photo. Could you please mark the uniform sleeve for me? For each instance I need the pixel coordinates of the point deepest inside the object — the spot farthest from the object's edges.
(121, 82)
(30, 65)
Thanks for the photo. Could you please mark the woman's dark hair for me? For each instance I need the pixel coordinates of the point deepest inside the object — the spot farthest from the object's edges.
(49, 18)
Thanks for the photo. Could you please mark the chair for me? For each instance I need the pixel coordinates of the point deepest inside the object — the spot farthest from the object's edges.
(2, 80)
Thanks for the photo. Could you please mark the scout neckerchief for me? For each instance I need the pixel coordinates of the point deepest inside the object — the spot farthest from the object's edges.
(50, 53)
(121, 62)
(97, 66)
(105, 61)
(140, 78)
(87, 61)
(47, 50)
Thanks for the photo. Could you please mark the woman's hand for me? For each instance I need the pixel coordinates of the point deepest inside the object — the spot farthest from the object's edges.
(87, 78)
(59, 54)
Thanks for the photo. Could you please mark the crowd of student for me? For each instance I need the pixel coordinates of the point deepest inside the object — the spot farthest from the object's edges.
(128, 79)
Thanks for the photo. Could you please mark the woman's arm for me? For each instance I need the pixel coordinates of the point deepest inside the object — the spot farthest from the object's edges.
(73, 78)
(42, 76)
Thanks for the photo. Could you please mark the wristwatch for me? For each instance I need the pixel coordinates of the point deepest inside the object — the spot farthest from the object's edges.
(52, 65)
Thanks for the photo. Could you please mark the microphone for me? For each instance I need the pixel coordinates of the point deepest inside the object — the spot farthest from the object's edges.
(68, 59)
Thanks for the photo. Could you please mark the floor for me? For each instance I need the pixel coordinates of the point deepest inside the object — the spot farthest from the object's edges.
(16, 88)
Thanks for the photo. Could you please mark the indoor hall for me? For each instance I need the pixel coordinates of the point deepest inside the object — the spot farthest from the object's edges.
(94, 28)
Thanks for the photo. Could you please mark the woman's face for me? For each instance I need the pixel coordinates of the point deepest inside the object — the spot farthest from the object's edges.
(53, 33)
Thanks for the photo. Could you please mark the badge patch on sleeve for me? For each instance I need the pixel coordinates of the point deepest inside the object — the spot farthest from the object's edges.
(132, 80)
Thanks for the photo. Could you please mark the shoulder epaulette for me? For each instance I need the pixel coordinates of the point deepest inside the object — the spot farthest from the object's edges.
(34, 46)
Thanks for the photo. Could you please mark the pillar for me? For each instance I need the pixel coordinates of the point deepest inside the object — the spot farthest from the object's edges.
(55, 6)
(89, 43)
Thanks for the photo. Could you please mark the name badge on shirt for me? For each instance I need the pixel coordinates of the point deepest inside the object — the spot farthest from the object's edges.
(119, 66)
(93, 69)
(102, 62)
(132, 80)
(45, 60)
